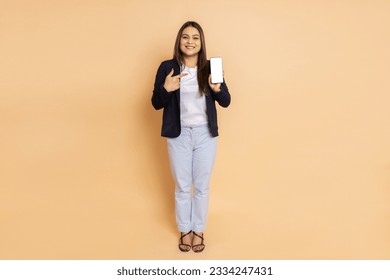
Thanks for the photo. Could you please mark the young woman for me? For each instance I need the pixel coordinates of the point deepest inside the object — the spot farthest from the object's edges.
(184, 90)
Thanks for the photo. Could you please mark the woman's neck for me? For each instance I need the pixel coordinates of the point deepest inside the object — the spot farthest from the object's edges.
(191, 61)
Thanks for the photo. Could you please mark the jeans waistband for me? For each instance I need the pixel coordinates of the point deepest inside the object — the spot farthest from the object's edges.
(194, 126)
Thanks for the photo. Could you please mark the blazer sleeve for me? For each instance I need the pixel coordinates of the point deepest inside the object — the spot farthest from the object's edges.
(223, 97)
(160, 97)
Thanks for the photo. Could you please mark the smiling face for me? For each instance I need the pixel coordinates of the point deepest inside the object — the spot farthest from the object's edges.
(190, 42)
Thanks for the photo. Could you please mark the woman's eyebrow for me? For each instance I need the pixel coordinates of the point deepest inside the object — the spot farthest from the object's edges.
(185, 34)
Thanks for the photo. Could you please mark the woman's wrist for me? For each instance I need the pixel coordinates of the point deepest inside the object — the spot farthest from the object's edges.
(216, 88)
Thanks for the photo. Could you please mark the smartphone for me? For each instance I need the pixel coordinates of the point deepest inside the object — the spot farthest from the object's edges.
(216, 70)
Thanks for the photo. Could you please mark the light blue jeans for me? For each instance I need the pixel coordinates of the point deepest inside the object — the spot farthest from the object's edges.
(191, 157)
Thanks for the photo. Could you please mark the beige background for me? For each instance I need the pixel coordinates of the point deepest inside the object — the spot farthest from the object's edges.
(303, 166)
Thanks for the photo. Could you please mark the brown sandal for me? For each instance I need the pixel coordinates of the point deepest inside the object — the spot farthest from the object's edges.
(200, 246)
(187, 247)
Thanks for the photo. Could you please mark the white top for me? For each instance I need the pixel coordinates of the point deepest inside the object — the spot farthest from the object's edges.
(192, 102)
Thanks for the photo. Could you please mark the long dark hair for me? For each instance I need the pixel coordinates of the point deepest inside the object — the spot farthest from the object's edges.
(203, 66)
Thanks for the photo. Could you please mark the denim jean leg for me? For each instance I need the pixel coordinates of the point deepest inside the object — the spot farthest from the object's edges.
(180, 158)
(203, 162)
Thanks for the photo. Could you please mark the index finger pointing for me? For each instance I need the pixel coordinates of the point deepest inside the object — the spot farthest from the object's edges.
(181, 75)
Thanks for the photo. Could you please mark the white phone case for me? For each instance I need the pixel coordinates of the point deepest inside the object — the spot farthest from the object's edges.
(216, 70)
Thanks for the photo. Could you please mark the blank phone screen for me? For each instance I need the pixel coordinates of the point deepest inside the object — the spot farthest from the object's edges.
(216, 70)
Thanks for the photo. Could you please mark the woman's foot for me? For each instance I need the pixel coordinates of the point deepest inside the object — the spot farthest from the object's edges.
(197, 242)
(185, 241)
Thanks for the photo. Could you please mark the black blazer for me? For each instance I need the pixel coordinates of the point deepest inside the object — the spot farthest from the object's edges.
(170, 101)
